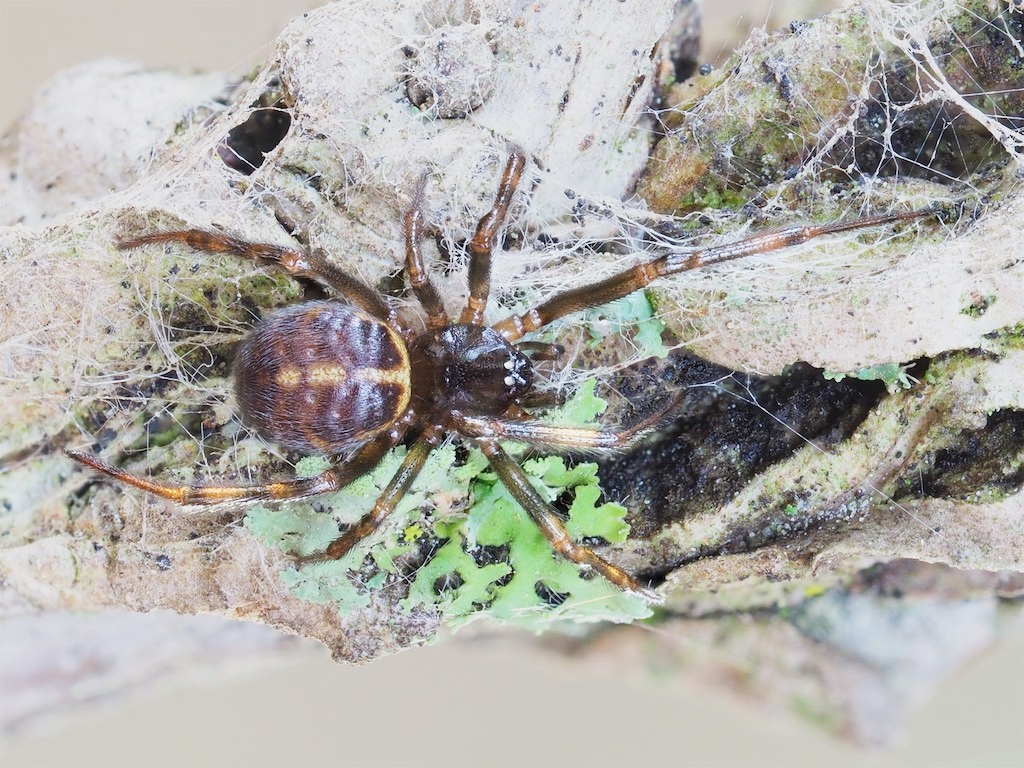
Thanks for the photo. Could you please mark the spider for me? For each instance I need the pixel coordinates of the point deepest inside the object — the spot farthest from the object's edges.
(346, 377)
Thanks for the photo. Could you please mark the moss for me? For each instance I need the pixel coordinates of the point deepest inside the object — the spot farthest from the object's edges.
(209, 298)
(711, 193)
(781, 111)
(1006, 339)
(976, 465)
(976, 305)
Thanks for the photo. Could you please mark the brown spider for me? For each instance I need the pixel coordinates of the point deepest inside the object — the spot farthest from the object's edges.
(347, 377)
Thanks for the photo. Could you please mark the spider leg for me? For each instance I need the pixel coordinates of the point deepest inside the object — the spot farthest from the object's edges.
(538, 399)
(482, 244)
(385, 503)
(542, 435)
(540, 350)
(295, 261)
(643, 274)
(415, 265)
(365, 459)
(550, 524)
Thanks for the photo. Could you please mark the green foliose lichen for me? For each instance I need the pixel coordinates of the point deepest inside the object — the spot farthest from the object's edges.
(488, 561)
(633, 314)
(893, 375)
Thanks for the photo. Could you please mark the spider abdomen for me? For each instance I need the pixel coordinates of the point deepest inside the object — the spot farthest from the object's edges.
(321, 376)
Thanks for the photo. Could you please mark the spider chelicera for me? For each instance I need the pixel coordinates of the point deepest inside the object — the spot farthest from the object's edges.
(347, 378)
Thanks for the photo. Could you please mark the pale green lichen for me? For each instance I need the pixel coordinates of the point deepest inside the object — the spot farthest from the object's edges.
(527, 583)
(635, 312)
(893, 375)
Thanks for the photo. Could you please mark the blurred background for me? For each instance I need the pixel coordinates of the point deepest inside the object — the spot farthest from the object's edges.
(483, 697)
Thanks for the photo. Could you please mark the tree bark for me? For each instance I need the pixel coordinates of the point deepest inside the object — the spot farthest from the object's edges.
(918, 492)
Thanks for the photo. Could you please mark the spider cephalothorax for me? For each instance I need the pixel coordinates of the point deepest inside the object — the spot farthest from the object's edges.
(470, 369)
(346, 376)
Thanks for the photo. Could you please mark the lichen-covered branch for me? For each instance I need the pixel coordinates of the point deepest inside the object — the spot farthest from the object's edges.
(764, 494)
(128, 352)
